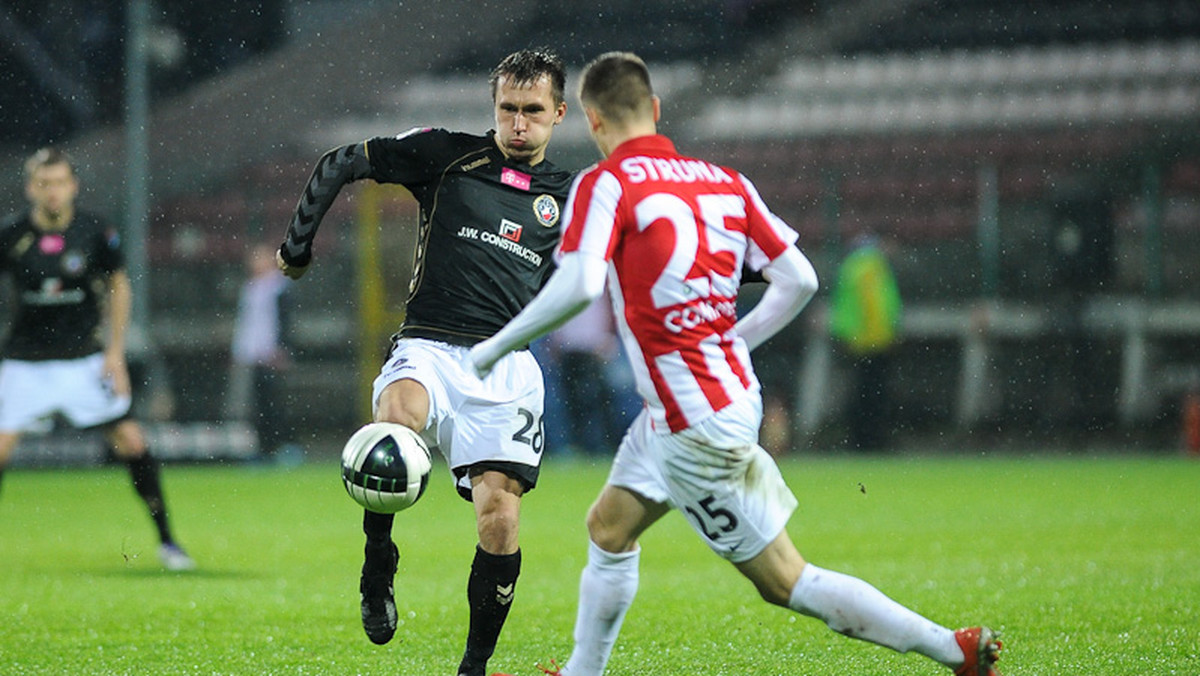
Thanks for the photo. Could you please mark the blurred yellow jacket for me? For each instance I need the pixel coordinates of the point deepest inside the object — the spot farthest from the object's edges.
(866, 302)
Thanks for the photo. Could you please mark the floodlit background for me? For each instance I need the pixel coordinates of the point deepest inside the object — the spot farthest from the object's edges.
(1033, 168)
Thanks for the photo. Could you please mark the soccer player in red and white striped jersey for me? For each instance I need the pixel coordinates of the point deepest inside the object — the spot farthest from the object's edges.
(676, 231)
(670, 235)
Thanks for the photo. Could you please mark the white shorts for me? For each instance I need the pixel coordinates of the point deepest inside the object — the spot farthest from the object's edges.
(715, 472)
(472, 421)
(32, 391)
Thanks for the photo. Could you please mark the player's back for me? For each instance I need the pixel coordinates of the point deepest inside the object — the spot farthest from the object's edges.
(677, 231)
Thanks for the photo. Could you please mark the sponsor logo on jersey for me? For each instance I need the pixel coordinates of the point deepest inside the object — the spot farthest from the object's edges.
(545, 207)
(506, 242)
(516, 179)
(476, 164)
(510, 230)
(506, 239)
(53, 293)
(700, 312)
(51, 244)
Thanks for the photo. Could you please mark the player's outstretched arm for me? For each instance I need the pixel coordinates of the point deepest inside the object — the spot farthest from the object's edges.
(792, 283)
(335, 169)
(577, 283)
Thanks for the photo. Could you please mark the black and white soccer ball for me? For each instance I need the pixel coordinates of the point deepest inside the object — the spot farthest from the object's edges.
(385, 467)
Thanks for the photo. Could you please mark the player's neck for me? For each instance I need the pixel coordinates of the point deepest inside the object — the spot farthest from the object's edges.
(55, 221)
(612, 141)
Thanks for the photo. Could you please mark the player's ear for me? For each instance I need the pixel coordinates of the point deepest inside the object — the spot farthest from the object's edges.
(593, 118)
(657, 103)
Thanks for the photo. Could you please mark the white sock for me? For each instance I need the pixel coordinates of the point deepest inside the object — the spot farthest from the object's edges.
(606, 590)
(852, 607)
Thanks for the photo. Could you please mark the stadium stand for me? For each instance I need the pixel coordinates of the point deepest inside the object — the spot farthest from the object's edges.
(940, 124)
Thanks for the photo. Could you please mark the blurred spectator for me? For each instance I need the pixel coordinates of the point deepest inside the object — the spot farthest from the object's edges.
(582, 350)
(865, 318)
(261, 356)
(1082, 241)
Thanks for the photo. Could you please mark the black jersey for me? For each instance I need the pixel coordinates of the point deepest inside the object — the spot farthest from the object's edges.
(61, 279)
(489, 227)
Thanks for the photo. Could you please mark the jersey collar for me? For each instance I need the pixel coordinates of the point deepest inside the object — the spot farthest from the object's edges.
(654, 144)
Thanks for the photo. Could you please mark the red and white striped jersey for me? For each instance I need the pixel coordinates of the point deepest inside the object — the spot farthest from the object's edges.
(676, 231)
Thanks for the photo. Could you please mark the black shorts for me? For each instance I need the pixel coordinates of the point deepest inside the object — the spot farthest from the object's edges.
(526, 475)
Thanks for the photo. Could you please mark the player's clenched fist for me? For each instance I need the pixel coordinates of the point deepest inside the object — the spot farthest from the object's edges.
(292, 271)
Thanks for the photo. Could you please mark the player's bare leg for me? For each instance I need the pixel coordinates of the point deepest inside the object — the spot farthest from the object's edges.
(129, 443)
(497, 565)
(846, 604)
(404, 402)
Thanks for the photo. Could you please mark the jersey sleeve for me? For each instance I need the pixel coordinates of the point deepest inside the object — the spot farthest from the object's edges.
(768, 235)
(8, 239)
(110, 255)
(592, 214)
(410, 158)
(335, 169)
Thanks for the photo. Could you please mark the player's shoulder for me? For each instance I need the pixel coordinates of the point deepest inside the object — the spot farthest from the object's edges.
(12, 226)
(707, 169)
(608, 165)
(92, 226)
(13, 221)
(435, 145)
(439, 137)
(90, 221)
(91, 218)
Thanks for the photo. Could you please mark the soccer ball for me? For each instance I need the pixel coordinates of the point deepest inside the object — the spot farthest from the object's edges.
(385, 467)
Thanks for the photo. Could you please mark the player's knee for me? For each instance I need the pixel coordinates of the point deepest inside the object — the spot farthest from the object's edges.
(606, 533)
(498, 531)
(127, 440)
(497, 515)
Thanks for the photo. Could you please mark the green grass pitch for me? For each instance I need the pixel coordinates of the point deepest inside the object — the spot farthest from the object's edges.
(1086, 565)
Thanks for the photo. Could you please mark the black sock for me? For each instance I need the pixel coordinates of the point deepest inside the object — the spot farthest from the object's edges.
(490, 591)
(144, 472)
(377, 527)
(1, 477)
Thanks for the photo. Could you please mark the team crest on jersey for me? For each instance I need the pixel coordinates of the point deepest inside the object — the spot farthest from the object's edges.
(545, 207)
(73, 263)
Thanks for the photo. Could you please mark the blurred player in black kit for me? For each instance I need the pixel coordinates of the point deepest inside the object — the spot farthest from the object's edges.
(490, 207)
(71, 282)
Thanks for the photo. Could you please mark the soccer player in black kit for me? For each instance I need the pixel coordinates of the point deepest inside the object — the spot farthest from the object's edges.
(490, 207)
(69, 274)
